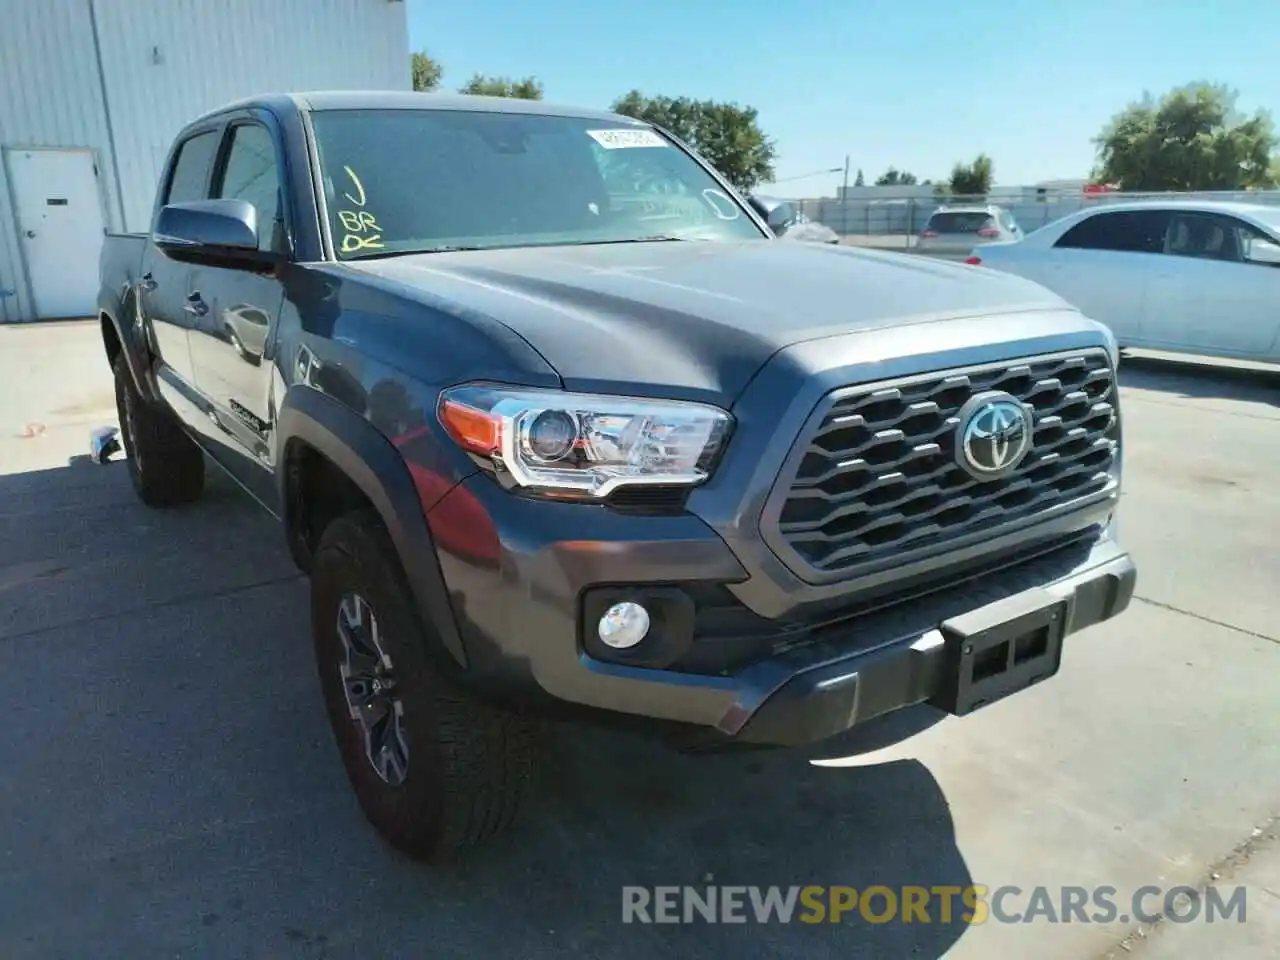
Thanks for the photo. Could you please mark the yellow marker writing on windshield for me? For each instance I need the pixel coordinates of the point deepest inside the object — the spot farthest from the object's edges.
(362, 230)
(358, 222)
(353, 243)
(359, 187)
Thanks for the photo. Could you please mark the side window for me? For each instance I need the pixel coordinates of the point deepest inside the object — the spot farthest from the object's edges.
(1204, 236)
(250, 173)
(189, 179)
(1091, 233)
(1140, 231)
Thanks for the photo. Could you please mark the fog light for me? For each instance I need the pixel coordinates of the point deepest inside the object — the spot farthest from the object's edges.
(623, 625)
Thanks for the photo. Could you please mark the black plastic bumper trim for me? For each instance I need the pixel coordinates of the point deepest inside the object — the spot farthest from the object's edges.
(828, 698)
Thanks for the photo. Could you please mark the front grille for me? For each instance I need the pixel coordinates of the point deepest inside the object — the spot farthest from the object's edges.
(876, 474)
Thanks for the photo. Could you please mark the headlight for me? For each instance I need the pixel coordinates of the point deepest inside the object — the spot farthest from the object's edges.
(582, 443)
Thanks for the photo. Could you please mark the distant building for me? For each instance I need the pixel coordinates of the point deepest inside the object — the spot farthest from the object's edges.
(92, 93)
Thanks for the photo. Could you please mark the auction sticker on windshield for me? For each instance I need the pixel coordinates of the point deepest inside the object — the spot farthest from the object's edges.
(618, 139)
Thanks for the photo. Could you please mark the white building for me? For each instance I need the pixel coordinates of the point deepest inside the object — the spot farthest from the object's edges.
(92, 93)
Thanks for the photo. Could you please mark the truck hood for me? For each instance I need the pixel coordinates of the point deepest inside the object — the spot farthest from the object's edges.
(697, 320)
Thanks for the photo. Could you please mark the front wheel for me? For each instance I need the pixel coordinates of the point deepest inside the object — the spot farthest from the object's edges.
(434, 771)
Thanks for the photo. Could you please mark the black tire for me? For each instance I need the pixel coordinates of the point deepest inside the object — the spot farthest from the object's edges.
(165, 465)
(467, 765)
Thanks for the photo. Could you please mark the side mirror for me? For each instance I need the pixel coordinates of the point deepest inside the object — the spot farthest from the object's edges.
(208, 229)
(1262, 251)
(778, 214)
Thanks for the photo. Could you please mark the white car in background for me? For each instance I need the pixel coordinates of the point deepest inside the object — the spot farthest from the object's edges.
(1183, 276)
(955, 230)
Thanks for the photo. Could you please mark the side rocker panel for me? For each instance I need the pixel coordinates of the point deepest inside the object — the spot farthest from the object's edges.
(368, 458)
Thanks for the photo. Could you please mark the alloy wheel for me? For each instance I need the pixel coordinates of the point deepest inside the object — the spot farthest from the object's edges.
(369, 683)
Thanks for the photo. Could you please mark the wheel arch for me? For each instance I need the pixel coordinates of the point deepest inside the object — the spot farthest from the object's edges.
(117, 342)
(311, 423)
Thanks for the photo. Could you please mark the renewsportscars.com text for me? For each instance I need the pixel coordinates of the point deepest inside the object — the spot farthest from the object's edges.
(936, 904)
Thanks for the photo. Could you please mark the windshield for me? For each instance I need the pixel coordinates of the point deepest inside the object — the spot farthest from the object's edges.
(404, 181)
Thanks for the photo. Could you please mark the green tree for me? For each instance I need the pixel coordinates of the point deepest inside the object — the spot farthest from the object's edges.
(727, 135)
(893, 177)
(1193, 138)
(860, 181)
(426, 72)
(530, 88)
(973, 180)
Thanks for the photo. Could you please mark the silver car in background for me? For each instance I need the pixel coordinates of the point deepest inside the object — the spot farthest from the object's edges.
(955, 231)
(790, 223)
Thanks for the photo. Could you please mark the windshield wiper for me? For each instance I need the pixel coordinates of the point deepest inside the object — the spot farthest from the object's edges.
(653, 238)
(384, 254)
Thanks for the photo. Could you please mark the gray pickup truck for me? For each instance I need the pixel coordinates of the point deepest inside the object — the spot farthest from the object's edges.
(557, 426)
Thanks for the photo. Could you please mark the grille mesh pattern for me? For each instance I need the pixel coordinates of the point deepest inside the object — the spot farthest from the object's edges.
(879, 474)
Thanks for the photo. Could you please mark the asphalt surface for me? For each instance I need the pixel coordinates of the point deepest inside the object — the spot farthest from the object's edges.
(169, 787)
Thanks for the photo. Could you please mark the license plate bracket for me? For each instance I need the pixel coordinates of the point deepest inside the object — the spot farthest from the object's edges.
(993, 653)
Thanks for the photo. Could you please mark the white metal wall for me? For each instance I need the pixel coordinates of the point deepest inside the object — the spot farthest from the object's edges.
(50, 95)
(164, 62)
(168, 61)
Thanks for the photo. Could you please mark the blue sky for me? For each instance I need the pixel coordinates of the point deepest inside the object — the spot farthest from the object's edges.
(917, 84)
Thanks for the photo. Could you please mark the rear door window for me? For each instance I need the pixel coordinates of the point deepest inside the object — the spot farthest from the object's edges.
(189, 179)
(1129, 231)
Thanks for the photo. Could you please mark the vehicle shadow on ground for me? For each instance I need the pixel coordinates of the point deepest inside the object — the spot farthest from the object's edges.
(1199, 379)
(181, 794)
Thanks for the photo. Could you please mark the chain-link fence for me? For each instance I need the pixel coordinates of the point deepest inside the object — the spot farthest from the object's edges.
(893, 219)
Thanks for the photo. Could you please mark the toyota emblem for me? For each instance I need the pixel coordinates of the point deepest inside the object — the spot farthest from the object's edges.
(993, 436)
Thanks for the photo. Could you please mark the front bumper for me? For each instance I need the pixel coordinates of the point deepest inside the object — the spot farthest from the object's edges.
(517, 572)
(825, 692)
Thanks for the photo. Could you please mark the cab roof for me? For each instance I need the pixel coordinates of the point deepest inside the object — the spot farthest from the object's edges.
(323, 100)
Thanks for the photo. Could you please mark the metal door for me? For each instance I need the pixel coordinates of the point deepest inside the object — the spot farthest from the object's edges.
(60, 227)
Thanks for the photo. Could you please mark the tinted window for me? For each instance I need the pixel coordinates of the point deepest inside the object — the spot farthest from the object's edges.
(1140, 231)
(960, 222)
(250, 173)
(1204, 236)
(415, 180)
(190, 176)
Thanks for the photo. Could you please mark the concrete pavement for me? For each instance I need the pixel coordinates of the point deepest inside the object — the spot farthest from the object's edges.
(170, 786)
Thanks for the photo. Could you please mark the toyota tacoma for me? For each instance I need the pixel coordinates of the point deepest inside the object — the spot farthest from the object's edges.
(558, 426)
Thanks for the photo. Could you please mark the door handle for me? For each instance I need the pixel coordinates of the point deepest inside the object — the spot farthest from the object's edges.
(195, 305)
(148, 283)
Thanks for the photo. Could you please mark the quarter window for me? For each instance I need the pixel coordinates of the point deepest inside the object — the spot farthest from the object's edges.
(250, 173)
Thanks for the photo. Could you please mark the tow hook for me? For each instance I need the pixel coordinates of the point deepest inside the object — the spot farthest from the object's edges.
(103, 442)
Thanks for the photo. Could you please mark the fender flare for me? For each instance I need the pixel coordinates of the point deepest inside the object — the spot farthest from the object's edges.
(353, 445)
(135, 359)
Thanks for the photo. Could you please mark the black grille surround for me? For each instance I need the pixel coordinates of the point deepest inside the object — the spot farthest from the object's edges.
(873, 479)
